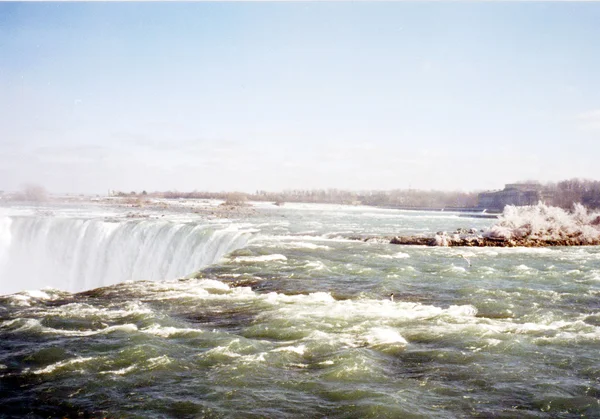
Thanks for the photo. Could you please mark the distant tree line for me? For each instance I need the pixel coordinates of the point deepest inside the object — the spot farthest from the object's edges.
(408, 198)
(567, 192)
(561, 194)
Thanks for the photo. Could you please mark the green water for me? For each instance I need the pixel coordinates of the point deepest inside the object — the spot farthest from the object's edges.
(299, 323)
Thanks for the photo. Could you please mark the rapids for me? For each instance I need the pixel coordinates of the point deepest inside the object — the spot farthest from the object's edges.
(290, 319)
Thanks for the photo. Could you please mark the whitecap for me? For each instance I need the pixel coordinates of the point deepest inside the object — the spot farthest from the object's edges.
(159, 361)
(384, 336)
(311, 246)
(37, 294)
(315, 265)
(465, 310)
(167, 331)
(121, 371)
(300, 349)
(53, 367)
(263, 258)
(399, 255)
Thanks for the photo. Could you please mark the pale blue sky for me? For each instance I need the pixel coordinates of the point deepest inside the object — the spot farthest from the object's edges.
(246, 96)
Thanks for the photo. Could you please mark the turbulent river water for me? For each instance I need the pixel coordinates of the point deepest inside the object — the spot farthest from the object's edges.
(279, 315)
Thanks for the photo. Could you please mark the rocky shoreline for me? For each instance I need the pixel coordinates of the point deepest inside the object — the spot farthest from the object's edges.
(528, 226)
(459, 239)
(481, 241)
(201, 207)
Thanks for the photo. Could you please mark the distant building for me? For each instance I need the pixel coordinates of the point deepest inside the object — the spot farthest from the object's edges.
(518, 194)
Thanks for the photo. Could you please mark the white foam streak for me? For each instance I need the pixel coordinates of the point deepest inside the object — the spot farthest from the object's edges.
(380, 336)
(168, 331)
(299, 350)
(25, 298)
(62, 364)
(399, 255)
(263, 258)
(86, 311)
(123, 328)
(305, 245)
(316, 266)
(121, 371)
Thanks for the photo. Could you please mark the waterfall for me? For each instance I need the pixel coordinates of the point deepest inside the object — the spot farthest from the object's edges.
(75, 255)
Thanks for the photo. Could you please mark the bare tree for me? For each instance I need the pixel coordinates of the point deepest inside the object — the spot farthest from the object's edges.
(34, 193)
(235, 199)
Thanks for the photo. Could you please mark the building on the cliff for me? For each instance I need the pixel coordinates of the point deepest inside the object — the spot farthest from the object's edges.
(518, 194)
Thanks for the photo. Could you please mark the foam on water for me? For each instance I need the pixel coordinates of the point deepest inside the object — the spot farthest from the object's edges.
(345, 341)
(547, 223)
(386, 337)
(26, 298)
(316, 265)
(317, 334)
(263, 258)
(88, 311)
(399, 255)
(305, 245)
(169, 331)
(63, 364)
(35, 326)
(122, 371)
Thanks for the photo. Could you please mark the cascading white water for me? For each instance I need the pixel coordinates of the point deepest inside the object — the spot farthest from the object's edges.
(75, 254)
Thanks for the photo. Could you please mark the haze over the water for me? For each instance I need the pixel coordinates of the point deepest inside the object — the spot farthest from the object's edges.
(236, 96)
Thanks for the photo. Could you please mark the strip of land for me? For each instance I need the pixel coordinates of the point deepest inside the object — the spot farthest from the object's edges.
(475, 240)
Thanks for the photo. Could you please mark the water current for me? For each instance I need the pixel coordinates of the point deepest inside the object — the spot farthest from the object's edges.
(279, 315)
